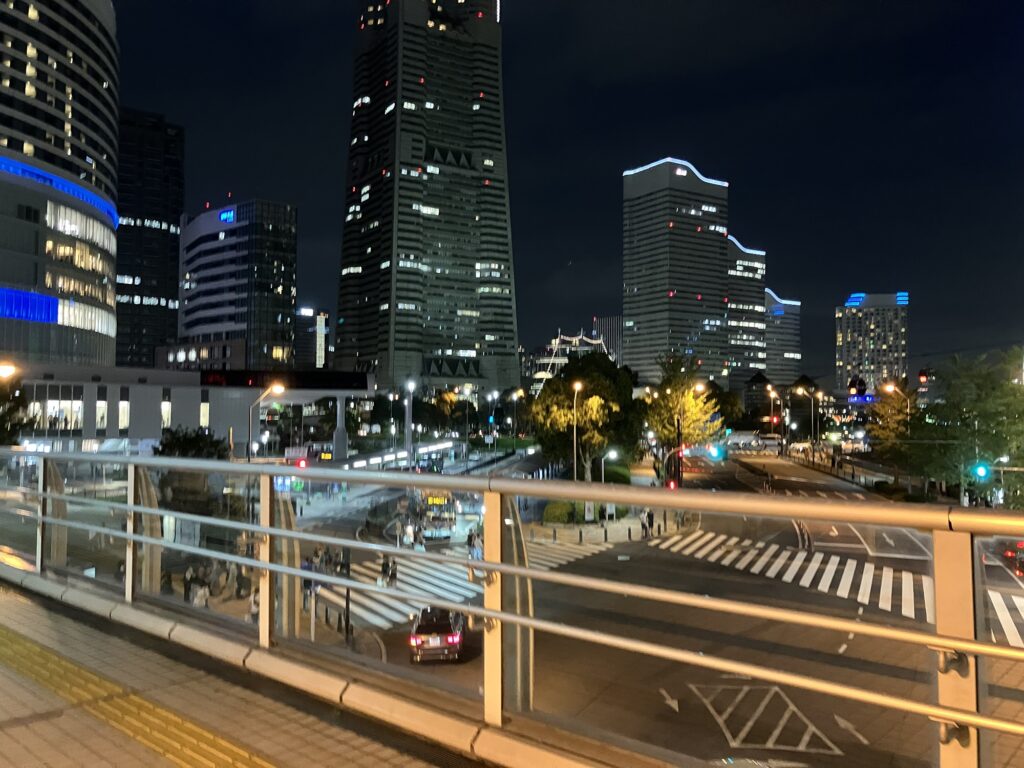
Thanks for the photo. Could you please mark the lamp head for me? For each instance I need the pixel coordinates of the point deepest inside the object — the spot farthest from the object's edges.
(890, 388)
(577, 386)
(699, 387)
(277, 389)
(613, 454)
(7, 370)
(801, 391)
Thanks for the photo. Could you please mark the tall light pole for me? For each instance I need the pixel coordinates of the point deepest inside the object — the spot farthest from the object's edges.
(274, 389)
(515, 416)
(772, 394)
(613, 455)
(410, 387)
(891, 388)
(466, 390)
(809, 396)
(576, 387)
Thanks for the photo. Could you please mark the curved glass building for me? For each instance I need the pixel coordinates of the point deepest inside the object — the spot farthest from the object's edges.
(58, 181)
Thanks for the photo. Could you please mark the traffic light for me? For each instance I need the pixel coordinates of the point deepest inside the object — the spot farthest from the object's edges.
(301, 463)
(981, 471)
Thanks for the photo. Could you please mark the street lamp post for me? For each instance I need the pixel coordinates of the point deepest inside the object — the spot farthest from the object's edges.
(466, 391)
(613, 455)
(576, 387)
(273, 389)
(809, 396)
(891, 388)
(410, 387)
(493, 423)
(515, 416)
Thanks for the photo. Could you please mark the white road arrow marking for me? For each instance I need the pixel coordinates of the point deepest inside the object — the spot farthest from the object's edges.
(888, 539)
(833, 532)
(846, 725)
(669, 701)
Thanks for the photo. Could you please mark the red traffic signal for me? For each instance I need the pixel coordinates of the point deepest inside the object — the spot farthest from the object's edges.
(301, 463)
(775, 419)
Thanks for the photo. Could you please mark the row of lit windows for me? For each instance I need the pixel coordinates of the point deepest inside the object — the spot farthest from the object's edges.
(68, 221)
(147, 301)
(163, 226)
(84, 317)
(84, 288)
(81, 256)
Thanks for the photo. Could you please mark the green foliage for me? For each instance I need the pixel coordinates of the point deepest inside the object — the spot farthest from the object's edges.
(678, 399)
(616, 473)
(889, 423)
(191, 443)
(561, 513)
(605, 415)
(12, 411)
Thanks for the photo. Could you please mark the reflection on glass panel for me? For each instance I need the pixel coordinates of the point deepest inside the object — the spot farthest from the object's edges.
(101, 414)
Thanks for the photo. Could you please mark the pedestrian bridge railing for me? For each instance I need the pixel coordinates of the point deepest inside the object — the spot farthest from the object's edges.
(547, 619)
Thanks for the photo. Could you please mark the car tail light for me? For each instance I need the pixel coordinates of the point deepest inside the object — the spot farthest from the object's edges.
(415, 642)
(455, 639)
(1008, 553)
(671, 485)
(1020, 572)
(1020, 545)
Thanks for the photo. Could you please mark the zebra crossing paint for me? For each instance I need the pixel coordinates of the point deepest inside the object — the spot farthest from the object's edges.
(447, 581)
(897, 591)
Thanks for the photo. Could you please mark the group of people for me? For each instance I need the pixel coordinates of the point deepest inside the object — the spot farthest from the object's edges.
(388, 572)
(646, 523)
(204, 580)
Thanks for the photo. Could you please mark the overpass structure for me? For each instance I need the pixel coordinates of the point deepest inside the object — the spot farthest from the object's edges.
(945, 692)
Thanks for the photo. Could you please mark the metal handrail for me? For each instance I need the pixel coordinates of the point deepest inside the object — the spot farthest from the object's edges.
(935, 712)
(654, 594)
(919, 516)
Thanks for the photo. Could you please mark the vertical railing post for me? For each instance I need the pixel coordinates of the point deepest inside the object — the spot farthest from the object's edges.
(130, 548)
(493, 661)
(41, 511)
(957, 676)
(266, 519)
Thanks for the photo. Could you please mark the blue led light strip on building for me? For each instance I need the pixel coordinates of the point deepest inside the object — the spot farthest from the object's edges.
(24, 171)
(30, 307)
(676, 161)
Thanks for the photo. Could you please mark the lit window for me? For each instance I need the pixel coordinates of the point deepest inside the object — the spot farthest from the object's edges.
(124, 412)
(165, 415)
(101, 414)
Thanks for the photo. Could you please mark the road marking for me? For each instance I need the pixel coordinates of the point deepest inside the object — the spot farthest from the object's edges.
(866, 578)
(694, 536)
(833, 531)
(1005, 620)
(907, 599)
(928, 588)
(708, 547)
(736, 552)
(823, 494)
(803, 493)
(841, 495)
(794, 566)
(669, 701)
(723, 549)
(772, 699)
(777, 565)
(672, 540)
(842, 648)
(761, 563)
(860, 496)
(789, 492)
(846, 725)
(698, 543)
(751, 554)
(830, 572)
(885, 592)
(812, 568)
(847, 580)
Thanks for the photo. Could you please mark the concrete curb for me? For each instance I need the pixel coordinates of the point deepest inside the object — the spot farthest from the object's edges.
(450, 731)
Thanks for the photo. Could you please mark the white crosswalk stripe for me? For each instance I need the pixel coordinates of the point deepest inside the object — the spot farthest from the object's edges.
(846, 581)
(777, 565)
(812, 568)
(928, 588)
(830, 571)
(1005, 620)
(864, 595)
(907, 598)
(736, 552)
(885, 590)
(699, 554)
(763, 561)
(689, 550)
(751, 554)
(714, 556)
(794, 566)
(666, 543)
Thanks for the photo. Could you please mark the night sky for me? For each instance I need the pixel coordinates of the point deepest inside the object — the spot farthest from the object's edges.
(869, 145)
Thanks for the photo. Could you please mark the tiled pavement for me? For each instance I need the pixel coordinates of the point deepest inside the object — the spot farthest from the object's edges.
(74, 695)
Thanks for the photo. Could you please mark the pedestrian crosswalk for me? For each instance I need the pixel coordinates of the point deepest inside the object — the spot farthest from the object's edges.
(446, 581)
(845, 495)
(893, 590)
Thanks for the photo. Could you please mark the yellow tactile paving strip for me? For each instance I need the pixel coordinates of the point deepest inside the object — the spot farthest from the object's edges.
(170, 735)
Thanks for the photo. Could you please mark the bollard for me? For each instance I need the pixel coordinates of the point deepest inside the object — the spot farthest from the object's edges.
(581, 535)
(659, 529)
(533, 533)
(605, 535)
(664, 518)
(629, 534)
(554, 535)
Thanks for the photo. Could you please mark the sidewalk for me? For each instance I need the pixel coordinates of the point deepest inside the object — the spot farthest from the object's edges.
(612, 531)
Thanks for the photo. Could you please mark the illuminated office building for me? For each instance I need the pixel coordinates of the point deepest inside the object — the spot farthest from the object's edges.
(58, 181)
(782, 337)
(745, 313)
(426, 287)
(871, 339)
(312, 338)
(676, 263)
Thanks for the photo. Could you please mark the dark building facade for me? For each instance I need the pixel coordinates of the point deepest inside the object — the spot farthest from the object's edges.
(427, 289)
(782, 336)
(610, 329)
(675, 269)
(58, 181)
(151, 199)
(237, 295)
(312, 338)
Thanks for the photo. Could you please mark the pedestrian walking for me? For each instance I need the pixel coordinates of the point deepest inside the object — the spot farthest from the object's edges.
(644, 529)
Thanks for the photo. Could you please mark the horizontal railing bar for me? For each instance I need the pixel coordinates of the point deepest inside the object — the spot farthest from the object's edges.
(693, 658)
(626, 589)
(920, 516)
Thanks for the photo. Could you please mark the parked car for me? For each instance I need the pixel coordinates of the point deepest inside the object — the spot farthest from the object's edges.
(437, 635)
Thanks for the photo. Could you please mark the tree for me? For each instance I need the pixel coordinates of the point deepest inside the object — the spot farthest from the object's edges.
(889, 424)
(606, 413)
(12, 411)
(191, 443)
(677, 399)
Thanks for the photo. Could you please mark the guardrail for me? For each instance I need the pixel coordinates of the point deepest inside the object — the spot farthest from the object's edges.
(951, 529)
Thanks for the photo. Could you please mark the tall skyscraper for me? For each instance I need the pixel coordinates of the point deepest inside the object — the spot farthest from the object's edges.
(745, 315)
(427, 288)
(237, 272)
(312, 338)
(871, 338)
(675, 272)
(610, 329)
(151, 199)
(782, 336)
(58, 181)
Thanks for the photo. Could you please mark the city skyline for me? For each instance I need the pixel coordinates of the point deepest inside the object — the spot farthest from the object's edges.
(761, 116)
